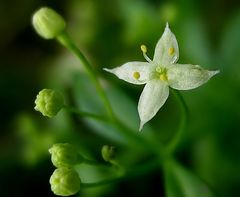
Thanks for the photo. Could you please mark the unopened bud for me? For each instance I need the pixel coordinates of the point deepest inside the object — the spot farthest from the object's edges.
(65, 182)
(108, 153)
(48, 23)
(49, 102)
(64, 155)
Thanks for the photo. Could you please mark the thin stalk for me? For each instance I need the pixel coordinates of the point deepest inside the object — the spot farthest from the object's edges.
(141, 141)
(94, 163)
(171, 166)
(141, 170)
(184, 114)
(85, 114)
(67, 42)
(129, 133)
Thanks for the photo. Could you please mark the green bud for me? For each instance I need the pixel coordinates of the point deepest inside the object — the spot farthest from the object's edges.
(108, 153)
(49, 102)
(64, 155)
(48, 23)
(65, 182)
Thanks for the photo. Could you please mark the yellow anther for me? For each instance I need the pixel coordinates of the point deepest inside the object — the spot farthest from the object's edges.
(163, 77)
(143, 48)
(171, 51)
(136, 75)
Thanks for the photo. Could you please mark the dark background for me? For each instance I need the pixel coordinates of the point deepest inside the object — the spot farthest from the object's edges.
(110, 33)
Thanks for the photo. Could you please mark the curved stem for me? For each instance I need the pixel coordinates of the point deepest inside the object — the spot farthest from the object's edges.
(67, 42)
(184, 114)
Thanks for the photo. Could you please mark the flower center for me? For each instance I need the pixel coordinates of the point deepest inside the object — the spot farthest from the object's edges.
(163, 77)
(161, 73)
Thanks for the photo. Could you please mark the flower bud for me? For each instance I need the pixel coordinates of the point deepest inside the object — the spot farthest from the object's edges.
(108, 153)
(63, 155)
(48, 23)
(65, 182)
(49, 102)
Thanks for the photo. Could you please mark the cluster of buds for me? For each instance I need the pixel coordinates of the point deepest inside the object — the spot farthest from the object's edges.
(65, 180)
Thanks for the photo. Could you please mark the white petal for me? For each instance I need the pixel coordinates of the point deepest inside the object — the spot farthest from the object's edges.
(187, 76)
(127, 72)
(154, 95)
(166, 50)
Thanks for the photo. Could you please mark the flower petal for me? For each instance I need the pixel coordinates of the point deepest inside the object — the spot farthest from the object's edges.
(154, 95)
(187, 76)
(133, 72)
(166, 50)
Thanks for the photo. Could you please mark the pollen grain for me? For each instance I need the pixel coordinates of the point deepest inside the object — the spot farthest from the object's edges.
(136, 75)
(171, 51)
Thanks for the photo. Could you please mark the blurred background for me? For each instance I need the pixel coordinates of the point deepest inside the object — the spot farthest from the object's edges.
(110, 32)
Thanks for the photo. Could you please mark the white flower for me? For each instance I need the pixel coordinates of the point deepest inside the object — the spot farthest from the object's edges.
(160, 73)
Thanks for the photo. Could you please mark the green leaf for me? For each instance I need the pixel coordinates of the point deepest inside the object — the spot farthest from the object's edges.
(182, 183)
(230, 44)
(194, 43)
(138, 17)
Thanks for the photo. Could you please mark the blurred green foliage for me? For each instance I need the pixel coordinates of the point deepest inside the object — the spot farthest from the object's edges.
(110, 33)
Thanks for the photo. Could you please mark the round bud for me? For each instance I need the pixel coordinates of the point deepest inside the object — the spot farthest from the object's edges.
(49, 102)
(48, 23)
(63, 155)
(108, 153)
(65, 182)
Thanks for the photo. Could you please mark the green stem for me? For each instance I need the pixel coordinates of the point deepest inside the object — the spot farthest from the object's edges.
(129, 133)
(94, 163)
(141, 170)
(85, 114)
(67, 42)
(184, 114)
(101, 183)
(139, 139)
(171, 166)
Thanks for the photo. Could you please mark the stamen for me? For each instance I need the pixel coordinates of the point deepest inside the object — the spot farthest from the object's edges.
(159, 69)
(144, 50)
(136, 75)
(162, 73)
(171, 51)
(163, 77)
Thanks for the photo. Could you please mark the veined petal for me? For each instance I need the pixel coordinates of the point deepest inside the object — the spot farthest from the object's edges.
(166, 51)
(154, 95)
(187, 76)
(133, 72)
